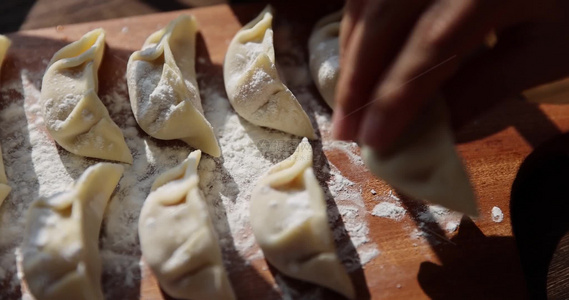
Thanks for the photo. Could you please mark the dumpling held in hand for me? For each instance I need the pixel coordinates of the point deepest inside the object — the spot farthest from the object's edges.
(424, 163)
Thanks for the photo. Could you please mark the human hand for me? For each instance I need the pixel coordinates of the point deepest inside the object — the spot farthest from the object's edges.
(396, 55)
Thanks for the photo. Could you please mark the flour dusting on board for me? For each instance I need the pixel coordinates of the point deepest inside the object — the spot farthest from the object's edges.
(390, 207)
(497, 215)
(389, 210)
(37, 167)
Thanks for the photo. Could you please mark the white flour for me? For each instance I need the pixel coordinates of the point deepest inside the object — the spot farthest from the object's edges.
(445, 218)
(329, 68)
(36, 166)
(497, 215)
(299, 205)
(389, 206)
(389, 210)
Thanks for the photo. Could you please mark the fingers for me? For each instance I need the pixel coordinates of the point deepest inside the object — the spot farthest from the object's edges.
(522, 59)
(352, 12)
(441, 37)
(370, 41)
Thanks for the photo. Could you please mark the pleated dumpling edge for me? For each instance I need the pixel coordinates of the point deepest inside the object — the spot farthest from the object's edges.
(289, 220)
(61, 240)
(253, 84)
(163, 90)
(324, 55)
(74, 115)
(187, 261)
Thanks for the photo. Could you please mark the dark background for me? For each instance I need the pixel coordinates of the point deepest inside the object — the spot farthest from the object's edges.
(29, 14)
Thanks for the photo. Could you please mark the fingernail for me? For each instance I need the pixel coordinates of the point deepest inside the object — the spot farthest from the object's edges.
(373, 131)
(344, 126)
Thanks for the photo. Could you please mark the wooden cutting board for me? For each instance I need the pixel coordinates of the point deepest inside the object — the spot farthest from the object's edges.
(478, 261)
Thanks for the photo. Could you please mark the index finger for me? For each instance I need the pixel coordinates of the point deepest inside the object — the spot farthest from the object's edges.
(375, 39)
(445, 32)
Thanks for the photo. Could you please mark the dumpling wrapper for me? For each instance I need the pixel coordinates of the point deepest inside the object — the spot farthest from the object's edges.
(4, 45)
(4, 187)
(61, 240)
(253, 85)
(290, 224)
(163, 90)
(324, 51)
(178, 239)
(74, 115)
(424, 163)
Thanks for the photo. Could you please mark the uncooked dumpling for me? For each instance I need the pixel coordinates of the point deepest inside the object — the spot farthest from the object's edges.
(4, 45)
(61, 240)
(424, 164)
(177, 237)
(74, 115)
(163, 91)
(4, 187)
(289, 220)
(252, 81)
(324, 51)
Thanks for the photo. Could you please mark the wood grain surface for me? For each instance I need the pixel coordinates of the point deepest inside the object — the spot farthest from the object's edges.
(558, 275)
(478, 261)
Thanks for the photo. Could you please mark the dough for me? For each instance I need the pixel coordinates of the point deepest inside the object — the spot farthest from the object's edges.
(74, 115)
(252, 82)
(4, 187)
(324, 50)
(289, 220)
(4, 45)
(424, 164)
(177, 237)
(61, 240)
(163, 91)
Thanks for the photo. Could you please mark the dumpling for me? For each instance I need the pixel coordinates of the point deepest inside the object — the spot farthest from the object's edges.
(4, 187)
(61, 240)
(252, 82)
(4, 45)
(74, 115)
(324, 51)
(290, 224)
(177, 237)
(163, 91)
(424, 164)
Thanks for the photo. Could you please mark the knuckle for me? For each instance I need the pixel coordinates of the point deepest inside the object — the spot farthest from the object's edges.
(390, 97)
(436, 27)
(380, 8)
(432, 33)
